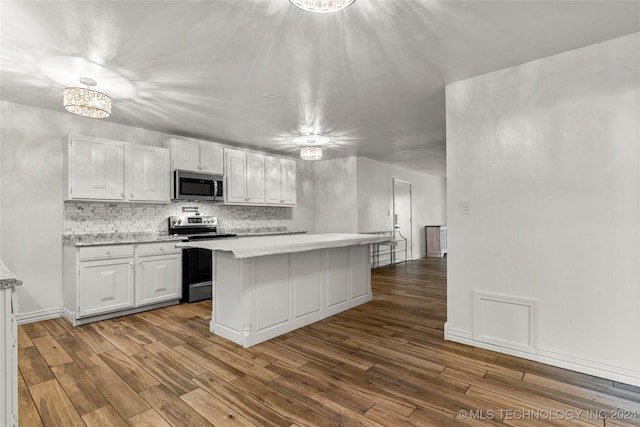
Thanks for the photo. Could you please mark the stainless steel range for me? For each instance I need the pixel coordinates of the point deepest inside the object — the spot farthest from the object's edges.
(196, 262)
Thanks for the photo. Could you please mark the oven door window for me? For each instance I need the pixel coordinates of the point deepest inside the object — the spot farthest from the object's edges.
(197, 187)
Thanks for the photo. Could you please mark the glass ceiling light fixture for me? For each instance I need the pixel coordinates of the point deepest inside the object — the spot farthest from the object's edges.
(312, 149)
(86, 102)
(311, 153)
(321, 6)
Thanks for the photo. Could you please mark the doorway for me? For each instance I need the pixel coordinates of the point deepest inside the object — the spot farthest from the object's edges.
(402, 220)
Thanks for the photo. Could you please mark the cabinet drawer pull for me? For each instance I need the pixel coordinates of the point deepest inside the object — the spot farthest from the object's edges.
(108, 252)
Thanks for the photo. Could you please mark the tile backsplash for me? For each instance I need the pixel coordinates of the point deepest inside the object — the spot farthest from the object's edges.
(100, 217)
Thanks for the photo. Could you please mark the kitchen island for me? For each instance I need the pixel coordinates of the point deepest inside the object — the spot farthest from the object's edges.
(266, 286)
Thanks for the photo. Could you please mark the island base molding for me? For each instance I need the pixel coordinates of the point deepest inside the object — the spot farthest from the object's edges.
(256, 299)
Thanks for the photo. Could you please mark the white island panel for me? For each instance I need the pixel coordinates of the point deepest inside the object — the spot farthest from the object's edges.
(287, 282)
(307, 284)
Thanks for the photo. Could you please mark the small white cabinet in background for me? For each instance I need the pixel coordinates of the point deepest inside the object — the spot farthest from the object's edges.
(280, 181)
(245, 180)
(111, 280)
(436, 239)
(196, 156)
(101, 169)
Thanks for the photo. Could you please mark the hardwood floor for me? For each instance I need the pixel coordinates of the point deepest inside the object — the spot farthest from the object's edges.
(384, 363)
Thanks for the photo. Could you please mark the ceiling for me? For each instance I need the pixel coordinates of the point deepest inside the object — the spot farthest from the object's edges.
(371, 76)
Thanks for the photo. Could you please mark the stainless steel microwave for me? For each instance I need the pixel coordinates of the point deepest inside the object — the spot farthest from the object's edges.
(197, 186)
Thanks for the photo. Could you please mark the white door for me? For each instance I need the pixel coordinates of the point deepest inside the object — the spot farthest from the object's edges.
(185, 155)
(402, 218)
(235, 177)
(273, 176)
(158, 279)
(97, 169)
(255, 178)
(288, 182)
(105, 285)
(149, 174)
(211, 159)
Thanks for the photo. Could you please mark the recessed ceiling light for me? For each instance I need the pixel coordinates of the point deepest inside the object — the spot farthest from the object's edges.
(271, 95)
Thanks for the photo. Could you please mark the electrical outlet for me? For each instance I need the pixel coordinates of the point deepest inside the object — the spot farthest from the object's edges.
(465, 207)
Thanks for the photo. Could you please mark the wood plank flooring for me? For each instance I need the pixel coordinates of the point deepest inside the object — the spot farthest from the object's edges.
(384, 363)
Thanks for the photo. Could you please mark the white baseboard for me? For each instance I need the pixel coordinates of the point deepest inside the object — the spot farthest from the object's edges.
(591, 367)
(573, 363)
(37, 316)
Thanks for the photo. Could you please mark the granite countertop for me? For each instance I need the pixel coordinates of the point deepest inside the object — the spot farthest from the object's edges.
(270, 245)
(97, 239)
(7, 278)
(117, 238)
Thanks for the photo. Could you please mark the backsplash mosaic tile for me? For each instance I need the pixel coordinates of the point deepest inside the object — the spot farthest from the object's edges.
(100, 217)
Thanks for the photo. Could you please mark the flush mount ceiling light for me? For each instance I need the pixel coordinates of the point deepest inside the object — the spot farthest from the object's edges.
(312, 149)
(311, 140)
(321, 6)
(86, 102)
(311, 153)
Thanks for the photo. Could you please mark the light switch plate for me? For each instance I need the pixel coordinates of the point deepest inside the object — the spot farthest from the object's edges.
(465, 207)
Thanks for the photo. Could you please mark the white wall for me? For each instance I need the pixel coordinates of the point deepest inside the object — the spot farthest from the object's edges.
(547, 155)
(336, 196)
(354, 194)
(375, 200)
(31, 206)
(31, 170)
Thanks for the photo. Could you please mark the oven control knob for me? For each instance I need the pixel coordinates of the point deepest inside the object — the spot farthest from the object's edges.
(179, 221)
(174, 222)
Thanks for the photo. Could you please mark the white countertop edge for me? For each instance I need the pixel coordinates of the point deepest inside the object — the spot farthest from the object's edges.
(273, 245)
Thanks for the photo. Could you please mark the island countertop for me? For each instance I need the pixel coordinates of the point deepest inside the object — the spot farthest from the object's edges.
(249, 247)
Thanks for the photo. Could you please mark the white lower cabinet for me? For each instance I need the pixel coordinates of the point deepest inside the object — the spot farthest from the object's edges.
(105, 285)
(112, 280)
(158, 273)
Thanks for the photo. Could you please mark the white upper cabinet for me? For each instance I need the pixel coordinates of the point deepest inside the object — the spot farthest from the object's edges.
(211, 159)
(273, 194)
(94, 169)
(245, 183)
(148, 176)
(196, 156)
(235, 188)
(280, 176)
(185, 155)
(103, 169)
(255, 178)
